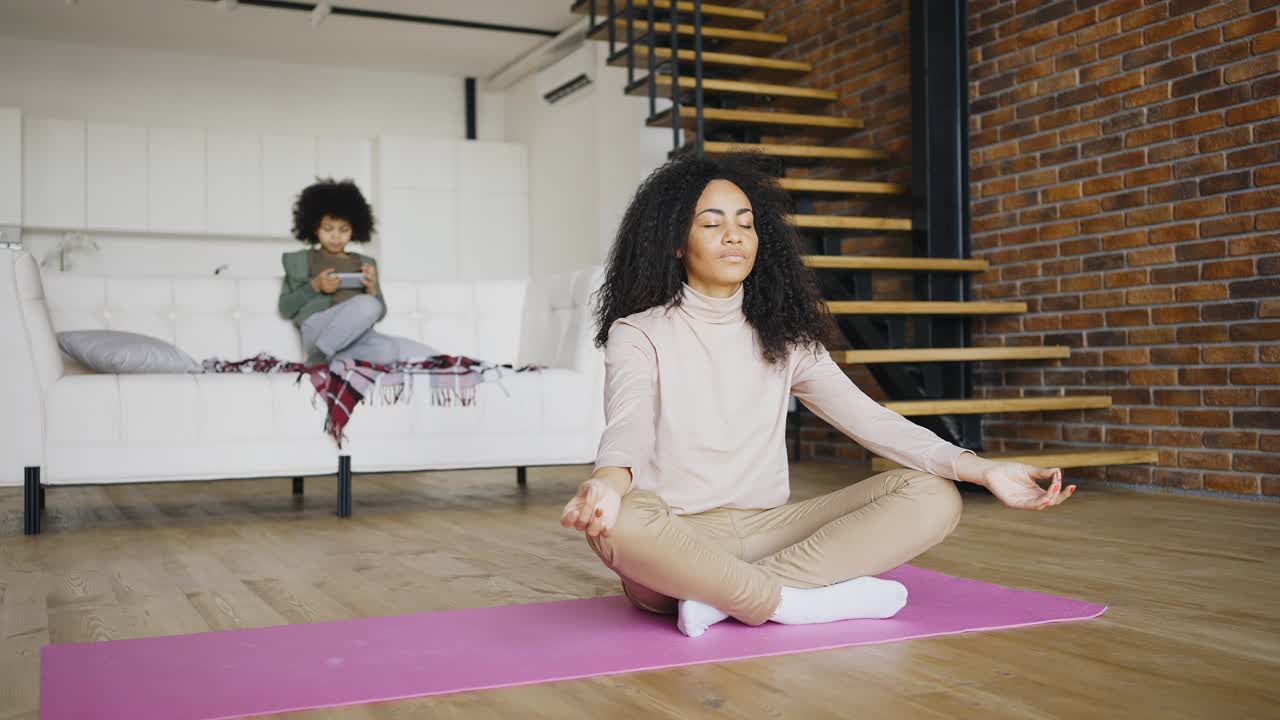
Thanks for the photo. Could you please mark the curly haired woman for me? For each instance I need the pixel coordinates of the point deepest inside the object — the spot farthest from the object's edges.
(337, 322)
(710, 321)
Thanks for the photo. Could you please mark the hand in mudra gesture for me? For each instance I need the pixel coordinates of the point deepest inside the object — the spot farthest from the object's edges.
(594, 509)
(1017, 485)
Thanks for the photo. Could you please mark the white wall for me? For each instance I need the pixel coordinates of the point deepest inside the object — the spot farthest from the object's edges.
(145, 87)
(587, 155)
(563, 226)
(173, 90)
(627, 150)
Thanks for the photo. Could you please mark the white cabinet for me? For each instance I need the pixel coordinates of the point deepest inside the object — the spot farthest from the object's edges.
(493, 236)
(233, 183)
(175, 180)
(417, 207)
(346, 160)
(73, 175)
(452, 210)
(493, 168)
(493, 211)
(418, 234)
(53, 181)
(417, 163)
(288, 166)
(10, 166)
(116, 177)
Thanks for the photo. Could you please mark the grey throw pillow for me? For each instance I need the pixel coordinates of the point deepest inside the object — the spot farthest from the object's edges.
(119, 352)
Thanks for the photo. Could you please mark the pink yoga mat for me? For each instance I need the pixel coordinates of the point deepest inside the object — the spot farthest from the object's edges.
(235, 673)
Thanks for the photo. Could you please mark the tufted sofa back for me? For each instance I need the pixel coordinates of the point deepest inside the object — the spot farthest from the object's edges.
(503, 321)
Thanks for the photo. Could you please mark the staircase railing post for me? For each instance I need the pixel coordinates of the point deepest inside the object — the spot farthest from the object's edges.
(613, 30)
(697, 72)
(652, 41)
(675, 77)
(591, 6)
(631, 43)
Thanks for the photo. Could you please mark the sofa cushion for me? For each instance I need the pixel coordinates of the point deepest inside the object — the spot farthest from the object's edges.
(116, 351)
(182, 410)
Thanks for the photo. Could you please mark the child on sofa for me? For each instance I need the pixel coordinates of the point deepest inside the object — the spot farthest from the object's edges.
(336, 321)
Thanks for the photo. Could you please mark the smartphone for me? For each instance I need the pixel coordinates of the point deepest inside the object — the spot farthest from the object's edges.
(350, 281)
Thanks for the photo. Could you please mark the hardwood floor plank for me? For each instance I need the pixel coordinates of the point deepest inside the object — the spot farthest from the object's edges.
(1190, 583)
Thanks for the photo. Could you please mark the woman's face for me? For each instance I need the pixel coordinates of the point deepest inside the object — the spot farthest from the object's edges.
(722, 244)
(334, 233)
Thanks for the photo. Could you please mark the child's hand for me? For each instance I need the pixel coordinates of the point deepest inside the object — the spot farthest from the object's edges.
(370, 278)
(327, 282)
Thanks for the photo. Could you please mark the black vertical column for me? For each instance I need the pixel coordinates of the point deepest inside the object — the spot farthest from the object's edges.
(940, 188)
(471, 108)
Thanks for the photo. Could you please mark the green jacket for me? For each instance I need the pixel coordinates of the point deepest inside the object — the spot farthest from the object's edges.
(298, 300)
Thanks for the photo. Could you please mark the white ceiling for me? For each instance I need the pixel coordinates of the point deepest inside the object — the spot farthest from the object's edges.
(197, 26)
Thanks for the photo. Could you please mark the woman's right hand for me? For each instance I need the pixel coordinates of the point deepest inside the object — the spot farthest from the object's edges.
(594, 509)
(326, 281)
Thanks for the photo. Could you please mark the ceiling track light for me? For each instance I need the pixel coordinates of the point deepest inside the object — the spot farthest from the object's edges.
(321, 11)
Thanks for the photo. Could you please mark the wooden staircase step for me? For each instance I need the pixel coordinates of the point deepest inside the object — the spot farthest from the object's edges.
(719, 14)
(1056, 458)
(807, 153)
(923, 307)
(916, 355)
(850, 222)
(873, 262)
(793, 123)
(756, 67)
(774, 93)
(917, 408)
(851, 187)
(725, 39)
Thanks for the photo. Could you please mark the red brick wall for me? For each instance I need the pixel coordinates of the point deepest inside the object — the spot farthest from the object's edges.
(1125, 167)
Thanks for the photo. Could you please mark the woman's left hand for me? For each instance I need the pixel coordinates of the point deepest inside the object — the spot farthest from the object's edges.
(370, 278)
(1017, 486)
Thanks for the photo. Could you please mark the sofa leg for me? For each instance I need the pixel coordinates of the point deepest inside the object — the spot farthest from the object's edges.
(32, 505)
(522, 475)
(297, 486)
(344, 486)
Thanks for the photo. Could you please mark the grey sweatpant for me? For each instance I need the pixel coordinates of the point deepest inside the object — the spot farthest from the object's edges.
(345, 332)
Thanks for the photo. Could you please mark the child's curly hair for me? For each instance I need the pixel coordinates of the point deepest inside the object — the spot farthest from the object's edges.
(337, 199)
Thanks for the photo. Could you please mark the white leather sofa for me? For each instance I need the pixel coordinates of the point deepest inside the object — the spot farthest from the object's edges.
(63, 428)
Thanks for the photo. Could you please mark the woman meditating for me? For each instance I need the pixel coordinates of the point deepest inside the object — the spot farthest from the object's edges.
(709, 322)
(337, 320)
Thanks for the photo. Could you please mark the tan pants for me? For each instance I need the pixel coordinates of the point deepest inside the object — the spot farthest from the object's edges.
(738, 560)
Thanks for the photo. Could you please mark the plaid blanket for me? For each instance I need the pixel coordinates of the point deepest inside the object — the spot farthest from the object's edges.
(343, 384)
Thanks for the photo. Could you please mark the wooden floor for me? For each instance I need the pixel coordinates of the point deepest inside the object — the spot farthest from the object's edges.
(1193, 586)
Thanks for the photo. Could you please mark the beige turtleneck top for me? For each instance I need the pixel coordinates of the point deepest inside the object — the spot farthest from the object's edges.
(699, 417)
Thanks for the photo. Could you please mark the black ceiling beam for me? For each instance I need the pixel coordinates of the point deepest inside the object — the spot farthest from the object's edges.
(397, 17)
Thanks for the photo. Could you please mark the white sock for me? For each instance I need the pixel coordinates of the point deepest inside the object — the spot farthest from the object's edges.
(859, 598)
(863, 597)
(696, 617)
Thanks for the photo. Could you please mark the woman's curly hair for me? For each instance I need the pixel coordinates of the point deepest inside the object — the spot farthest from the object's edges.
(337, 199)
(781, 299)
